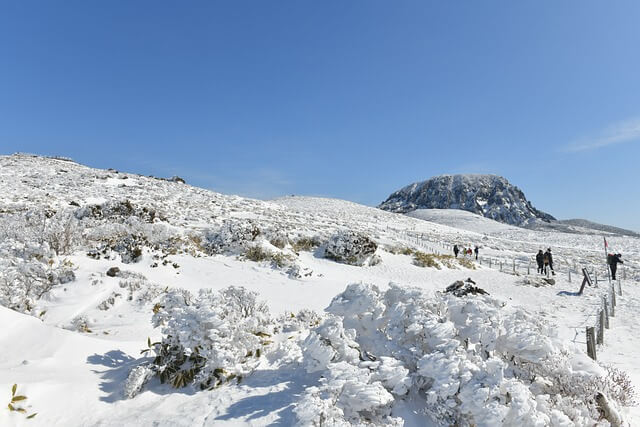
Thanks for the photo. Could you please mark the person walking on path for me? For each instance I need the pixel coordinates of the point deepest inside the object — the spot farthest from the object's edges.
(548, 259)
(456, 250)
(540, 261)
(476, 250)
(613, 261)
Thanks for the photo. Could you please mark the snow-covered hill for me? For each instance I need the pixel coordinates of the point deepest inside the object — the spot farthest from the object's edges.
(461, 219)
(491, 196)
(356, 326)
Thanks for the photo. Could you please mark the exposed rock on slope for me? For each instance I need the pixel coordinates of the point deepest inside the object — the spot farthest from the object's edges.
(491, 196)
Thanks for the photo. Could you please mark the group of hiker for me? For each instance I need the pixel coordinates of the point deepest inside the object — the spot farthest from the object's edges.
(465, 251)
(545, 262)
(543, 259)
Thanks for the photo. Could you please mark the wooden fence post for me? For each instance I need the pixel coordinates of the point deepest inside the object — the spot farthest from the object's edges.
(569, 275)
(613, 305)
(514, 265)
(601, 328)
(619, 288)
(613, 295)
(591, 342)
(529, 268)
(595, 273)
(489, 262)
(500, 265)
(606, 312)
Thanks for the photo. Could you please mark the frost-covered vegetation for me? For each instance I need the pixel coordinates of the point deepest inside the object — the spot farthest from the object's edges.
(468, 360)
(121, 262)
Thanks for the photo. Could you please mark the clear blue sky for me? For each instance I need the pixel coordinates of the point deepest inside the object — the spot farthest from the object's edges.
(348, 99)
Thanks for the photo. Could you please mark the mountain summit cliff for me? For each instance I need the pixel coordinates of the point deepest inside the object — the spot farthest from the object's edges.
(491, 196)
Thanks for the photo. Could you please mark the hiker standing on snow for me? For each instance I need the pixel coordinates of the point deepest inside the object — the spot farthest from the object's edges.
(540, 261)
(548, 259)
(476, 250)
(456, 250)
(613, 261)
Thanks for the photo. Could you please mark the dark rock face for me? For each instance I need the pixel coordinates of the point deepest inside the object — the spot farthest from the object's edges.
(113, 272)
(488, 195)
(460, 288)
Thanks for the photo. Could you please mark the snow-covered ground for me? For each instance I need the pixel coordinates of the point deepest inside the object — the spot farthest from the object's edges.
(71, 349)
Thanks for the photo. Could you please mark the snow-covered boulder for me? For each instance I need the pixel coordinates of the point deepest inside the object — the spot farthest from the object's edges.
(352, 248)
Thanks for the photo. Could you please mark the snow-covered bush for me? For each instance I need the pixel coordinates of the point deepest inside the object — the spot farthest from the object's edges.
(119, 211)
(473, 360)
(129, 238)
(26, 278)
(306, 243)
(352, 248)
(62, 232)
(232, 237)
(211, 338)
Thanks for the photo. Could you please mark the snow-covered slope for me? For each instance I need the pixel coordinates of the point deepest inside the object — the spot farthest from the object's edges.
(392, 348)
(491, 196)
(461, 219)
(598, 228)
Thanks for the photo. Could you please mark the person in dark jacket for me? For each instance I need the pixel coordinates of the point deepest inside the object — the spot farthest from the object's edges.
(476, 250)
(613, 261)
(540, 261)
(548, 257)
(456, 250)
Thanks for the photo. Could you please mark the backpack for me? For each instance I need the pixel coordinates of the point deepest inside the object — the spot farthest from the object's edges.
(610, 260)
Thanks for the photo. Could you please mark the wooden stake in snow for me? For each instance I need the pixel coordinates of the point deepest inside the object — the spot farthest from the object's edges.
(613, 305)
(619, 288)
(601, 327)
(606, 312)
(585, 281)
(591, 342)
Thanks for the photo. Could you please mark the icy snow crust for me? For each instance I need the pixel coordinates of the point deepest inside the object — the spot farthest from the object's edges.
(332, 344)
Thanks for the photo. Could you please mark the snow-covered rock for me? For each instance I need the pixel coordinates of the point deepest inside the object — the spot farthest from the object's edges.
(351, 248)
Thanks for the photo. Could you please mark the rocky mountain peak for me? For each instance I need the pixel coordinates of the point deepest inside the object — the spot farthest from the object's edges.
(491, 196)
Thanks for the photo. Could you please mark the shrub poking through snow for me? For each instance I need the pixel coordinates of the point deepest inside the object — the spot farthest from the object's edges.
(119, 211)
(422, 259)
(209, 339)
(352, 248)
(305, 243)
(17, 402)
(277, 259)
